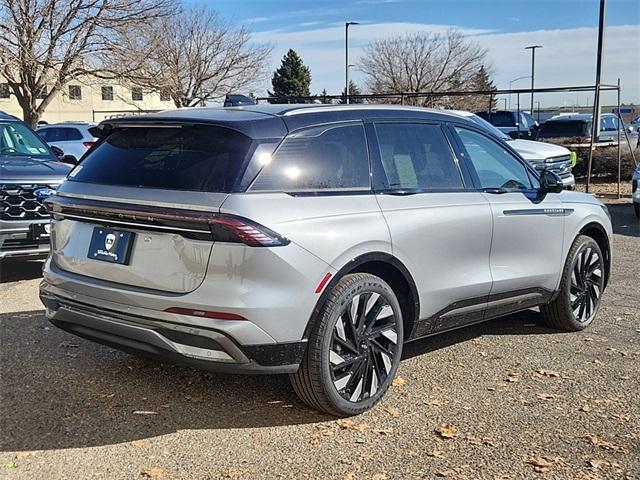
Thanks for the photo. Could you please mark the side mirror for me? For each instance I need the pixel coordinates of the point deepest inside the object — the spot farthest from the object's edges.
(70, 159)
(58, 151)
(550, 182)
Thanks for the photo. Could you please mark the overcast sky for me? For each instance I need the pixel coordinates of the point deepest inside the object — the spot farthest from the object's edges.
(567, 30)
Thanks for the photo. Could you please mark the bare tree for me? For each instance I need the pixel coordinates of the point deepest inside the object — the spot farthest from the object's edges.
(421, 62)
(46, 43)
(192, 57)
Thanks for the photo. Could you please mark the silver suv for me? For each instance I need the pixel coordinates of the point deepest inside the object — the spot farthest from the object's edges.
(312, 240)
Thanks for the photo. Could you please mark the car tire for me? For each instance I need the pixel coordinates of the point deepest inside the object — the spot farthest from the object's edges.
(636, 207)
(577, 303)
(348, 367)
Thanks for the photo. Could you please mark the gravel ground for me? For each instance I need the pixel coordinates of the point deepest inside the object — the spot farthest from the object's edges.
(508, 399)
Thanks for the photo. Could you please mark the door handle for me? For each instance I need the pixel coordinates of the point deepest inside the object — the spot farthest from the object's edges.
(495, 191)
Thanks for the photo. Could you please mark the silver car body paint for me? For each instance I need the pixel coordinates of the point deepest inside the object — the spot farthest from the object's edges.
(455, 246)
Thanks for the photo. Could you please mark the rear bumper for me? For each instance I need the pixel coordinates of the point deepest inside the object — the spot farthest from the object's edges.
(199, 347)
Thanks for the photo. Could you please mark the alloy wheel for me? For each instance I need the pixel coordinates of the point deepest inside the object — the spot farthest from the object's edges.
(364, 346)
(586, 284)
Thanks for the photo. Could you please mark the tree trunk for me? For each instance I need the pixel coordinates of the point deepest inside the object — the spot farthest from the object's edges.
(30, 113)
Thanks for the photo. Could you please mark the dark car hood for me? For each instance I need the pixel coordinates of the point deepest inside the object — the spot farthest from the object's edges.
(29, 169)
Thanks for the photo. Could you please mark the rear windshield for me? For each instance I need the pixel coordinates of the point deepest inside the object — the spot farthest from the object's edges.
(191, 157)
(566, 128)
(501, 119)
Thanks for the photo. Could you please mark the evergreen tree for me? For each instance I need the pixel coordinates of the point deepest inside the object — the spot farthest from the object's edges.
(353, 90)
(292, 79)
(482, 81)
(323, 96)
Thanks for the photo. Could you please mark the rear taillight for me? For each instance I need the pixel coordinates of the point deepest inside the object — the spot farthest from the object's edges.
(88, 144)
(229, 228)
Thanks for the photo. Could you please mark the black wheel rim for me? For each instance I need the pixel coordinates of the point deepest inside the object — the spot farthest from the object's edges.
(586, 284)
(364, 346)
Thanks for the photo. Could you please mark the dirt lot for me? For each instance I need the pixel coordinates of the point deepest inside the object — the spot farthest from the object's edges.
(508, 399)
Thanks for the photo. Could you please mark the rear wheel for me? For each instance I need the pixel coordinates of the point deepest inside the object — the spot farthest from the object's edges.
(354, 348)
(582, 283)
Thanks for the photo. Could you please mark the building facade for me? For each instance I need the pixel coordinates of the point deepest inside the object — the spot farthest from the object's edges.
(91, 101)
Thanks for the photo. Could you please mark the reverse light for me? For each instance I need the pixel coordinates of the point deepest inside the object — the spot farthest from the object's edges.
(228, 228)
(205, 313)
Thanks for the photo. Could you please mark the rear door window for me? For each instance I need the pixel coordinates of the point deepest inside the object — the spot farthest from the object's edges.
(417, 157)
(332, 157)
(565, 128)
(190, 157)
(73, 134)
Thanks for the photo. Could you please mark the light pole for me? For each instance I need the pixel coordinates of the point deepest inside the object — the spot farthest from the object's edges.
(505, 103)
(533, 67)
(346, 59)
(511, 82)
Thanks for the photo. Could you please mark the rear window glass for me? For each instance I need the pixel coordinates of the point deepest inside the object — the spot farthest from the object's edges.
(319, 158)
(194, 157)
(566, 128)
(501, 119)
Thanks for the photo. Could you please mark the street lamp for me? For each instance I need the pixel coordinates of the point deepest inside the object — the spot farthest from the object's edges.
(511, 82)
(346, 59)
(533, 66)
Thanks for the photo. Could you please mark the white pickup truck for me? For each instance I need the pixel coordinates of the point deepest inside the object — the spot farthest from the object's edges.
(540, 154)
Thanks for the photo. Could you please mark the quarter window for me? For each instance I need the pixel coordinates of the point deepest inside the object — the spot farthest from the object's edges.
(495, 166)
(417, 157)
(319, 158)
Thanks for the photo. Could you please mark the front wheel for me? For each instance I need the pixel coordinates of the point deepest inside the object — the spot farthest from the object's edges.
(581, 287)
(354, 347)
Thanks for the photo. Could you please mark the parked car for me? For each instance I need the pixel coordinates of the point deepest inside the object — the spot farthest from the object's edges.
(541, 155)
(576, 128)
(313, 240)
(29, 172)
(74, 138)
(635, 190)
(514, 124)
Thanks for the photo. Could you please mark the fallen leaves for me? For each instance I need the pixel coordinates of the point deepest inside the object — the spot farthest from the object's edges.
(232, 473)
(598, 463)
(541, 464)
(513, 377)
(393, 411)
(446, 430)
(398, 381)
(548, 373)
(153, 472)
(480, 441)
(136, 443)
(435, 453)
(600, 441)
(546, 396)
(347, 424)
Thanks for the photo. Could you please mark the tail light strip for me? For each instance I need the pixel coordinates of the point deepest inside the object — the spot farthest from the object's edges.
(190, 223)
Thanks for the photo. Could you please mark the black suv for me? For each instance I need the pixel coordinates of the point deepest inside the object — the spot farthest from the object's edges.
(30, 171)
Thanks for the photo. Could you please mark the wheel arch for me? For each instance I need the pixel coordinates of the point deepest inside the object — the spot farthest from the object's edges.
(596, 231)
(388, 268)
